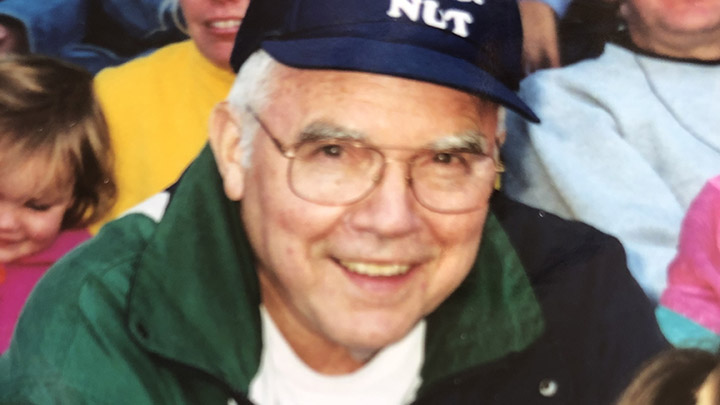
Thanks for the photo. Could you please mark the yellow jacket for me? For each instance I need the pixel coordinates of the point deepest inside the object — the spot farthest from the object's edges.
(157, 108)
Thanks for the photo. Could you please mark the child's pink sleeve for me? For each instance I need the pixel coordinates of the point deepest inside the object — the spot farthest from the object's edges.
(694, 275)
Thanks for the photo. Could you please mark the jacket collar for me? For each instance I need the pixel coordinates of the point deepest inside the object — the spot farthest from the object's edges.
(195, 297)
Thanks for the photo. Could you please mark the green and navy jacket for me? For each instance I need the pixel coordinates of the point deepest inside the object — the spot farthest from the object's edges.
(161, 307)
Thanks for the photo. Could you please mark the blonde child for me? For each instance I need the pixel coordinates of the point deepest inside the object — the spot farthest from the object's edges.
(55, 172)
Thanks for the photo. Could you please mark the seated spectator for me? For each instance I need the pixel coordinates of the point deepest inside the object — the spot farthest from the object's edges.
(93, 34)
(338, 242)
(676, 377)
(158, 106)
(55, 172)
(628, 139)
(693, 291)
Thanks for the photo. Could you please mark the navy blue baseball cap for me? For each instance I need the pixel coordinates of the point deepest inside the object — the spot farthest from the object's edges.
(470, 45)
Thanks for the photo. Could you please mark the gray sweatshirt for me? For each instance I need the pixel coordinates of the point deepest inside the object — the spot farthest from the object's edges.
(626, 142)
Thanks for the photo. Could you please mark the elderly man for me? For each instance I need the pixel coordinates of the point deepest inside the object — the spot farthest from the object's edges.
(339, 243)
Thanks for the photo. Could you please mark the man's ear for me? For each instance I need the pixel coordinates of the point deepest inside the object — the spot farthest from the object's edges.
(225, 133)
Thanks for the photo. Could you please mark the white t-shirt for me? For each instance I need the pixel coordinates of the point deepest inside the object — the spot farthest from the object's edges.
(392, 376)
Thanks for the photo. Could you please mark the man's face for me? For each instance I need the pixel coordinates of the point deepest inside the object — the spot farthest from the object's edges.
(311, 257)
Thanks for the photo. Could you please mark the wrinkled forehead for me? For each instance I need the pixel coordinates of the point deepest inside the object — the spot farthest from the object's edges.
(411, 111)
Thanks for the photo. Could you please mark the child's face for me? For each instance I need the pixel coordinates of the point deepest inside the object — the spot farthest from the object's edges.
(32, 205)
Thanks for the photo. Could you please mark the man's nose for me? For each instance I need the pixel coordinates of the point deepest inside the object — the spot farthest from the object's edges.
(390, 209)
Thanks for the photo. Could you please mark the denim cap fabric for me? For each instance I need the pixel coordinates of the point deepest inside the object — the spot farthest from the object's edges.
(470, 45)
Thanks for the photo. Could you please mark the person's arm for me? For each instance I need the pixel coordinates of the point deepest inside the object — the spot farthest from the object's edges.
(41, 26)
(540, 38)
(577, 164)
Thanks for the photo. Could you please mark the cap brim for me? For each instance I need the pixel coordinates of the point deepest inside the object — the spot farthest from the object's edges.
(396, 59)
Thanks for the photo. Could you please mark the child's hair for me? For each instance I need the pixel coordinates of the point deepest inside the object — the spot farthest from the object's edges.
(48, 109)
(673, 378)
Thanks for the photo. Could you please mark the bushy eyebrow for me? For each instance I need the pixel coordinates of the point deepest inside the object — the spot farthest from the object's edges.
(321, 130)
(472, 141)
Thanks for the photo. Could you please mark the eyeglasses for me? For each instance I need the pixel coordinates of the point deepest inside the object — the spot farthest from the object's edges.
(338, 171)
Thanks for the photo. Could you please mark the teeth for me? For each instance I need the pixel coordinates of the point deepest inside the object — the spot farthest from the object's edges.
(225, 24)
(384, 270)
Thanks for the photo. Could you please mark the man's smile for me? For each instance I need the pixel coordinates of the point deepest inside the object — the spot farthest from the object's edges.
(375, 269)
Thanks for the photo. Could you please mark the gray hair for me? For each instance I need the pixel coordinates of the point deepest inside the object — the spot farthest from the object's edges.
(501, 126)
(253, 87)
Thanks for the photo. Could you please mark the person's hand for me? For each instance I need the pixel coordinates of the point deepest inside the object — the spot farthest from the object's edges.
(540, 38)
(12, 37)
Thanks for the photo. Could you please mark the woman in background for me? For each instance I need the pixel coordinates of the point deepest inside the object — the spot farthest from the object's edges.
(628, 139)
(158, 106)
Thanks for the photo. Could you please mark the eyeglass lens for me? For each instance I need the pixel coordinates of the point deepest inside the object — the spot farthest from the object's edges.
(338, 172)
